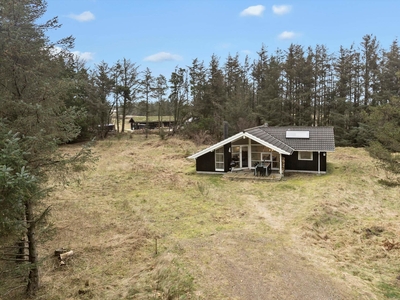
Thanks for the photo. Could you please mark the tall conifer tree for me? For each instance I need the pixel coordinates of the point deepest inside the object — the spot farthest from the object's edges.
(34, 120)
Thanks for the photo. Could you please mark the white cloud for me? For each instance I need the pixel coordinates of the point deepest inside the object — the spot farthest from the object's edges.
(281, 9)
(55, 50)
(162, 56)
(86, 56)
(287, 35)
(246, 52)
(83, 17)
(256, 10)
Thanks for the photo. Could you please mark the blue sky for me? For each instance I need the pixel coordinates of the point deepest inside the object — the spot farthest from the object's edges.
(163, 34)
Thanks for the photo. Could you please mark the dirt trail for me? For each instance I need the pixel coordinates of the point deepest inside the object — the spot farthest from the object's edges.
(239, 265)
(243, 265)
(260, 211)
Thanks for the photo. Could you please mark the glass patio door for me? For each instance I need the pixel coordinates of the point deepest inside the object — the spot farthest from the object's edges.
(240, 155)
(244, 157)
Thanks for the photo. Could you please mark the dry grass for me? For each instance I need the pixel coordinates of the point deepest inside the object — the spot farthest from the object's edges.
(306, 237)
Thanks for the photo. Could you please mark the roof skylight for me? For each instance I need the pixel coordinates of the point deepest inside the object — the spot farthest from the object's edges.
(297, 134)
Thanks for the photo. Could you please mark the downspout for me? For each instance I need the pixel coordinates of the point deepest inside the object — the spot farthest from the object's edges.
(249, 156)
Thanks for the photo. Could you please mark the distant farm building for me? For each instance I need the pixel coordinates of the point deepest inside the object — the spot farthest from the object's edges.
(153, 122)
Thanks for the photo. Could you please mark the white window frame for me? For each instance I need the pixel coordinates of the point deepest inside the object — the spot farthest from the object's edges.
(303, 152)
(219, 153)
(275, 163)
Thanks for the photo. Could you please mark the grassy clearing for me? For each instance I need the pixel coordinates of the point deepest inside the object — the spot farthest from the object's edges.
(144, 225)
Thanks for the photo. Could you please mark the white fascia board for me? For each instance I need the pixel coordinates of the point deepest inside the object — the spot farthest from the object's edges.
(217, 145)
(262, 142)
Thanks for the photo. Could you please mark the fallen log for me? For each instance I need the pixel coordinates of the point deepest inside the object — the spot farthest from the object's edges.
(64, 256)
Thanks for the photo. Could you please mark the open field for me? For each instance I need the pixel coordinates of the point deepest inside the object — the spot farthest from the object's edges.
(144, 225)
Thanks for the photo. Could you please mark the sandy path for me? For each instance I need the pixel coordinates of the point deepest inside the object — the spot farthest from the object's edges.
(237, 265)
(244, 265)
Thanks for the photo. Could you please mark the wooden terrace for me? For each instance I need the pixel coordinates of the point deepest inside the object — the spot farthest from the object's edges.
(249, 175)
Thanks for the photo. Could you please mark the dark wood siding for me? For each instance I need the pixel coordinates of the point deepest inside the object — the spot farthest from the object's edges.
(206, 162)
(323, 161)
(293, 163)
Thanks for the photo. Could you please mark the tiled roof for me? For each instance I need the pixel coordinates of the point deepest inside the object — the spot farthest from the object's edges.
(320, 138)
(267, 137)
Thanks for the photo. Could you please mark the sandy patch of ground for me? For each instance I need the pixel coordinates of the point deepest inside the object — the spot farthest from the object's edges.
(240, 265)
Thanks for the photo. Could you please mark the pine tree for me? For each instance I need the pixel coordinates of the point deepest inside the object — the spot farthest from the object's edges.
(238, 110)
(198, 87)
(296, 89)
(160, 90)
(267, 87)
(83, 94)
(260, 75)
(342, 105)
(390, 65)
(370, 69)
(34, 120)
(322, 87)
(126, 85)
(215, 97)
(147, 89)
(179, 97)
(103, 84)
(384, 123)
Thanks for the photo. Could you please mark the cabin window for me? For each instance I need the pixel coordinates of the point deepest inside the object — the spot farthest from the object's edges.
(236, 153)
(257, 157)
(260, 153)
(219, 159)
(275, 161)
(305, 155)
(266, 157)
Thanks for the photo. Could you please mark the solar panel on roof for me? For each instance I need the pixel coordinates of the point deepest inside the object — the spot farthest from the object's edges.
(297, 134)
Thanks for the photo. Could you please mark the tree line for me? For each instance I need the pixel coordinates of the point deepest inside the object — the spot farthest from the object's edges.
(40, 109)
(294, 87)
